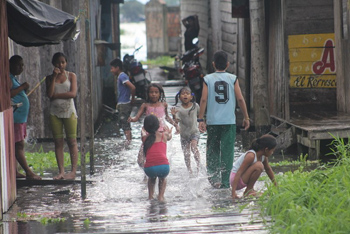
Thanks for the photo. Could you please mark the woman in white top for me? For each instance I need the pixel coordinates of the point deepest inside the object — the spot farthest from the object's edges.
(248, 167)
(61, 88)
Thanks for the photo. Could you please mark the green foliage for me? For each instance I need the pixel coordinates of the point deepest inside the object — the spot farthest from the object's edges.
(87, 222)
(133, 10)
(160, 61)
(42, 161)
(311, 202)
(46, 220)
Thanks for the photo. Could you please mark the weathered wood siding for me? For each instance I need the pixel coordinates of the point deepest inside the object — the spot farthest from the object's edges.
(277, 60)
(156, 28)
(7, 152)
(37, 62)
(342, 41)
(310, 17)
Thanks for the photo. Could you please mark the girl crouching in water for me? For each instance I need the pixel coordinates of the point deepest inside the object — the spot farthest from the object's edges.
(155, 147)
(248, 167)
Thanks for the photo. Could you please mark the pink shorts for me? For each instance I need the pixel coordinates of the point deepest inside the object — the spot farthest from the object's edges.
(240, 184)
(20, 131)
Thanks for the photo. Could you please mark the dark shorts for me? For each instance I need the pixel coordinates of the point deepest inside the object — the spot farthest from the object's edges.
(124, 111)
(160, 171)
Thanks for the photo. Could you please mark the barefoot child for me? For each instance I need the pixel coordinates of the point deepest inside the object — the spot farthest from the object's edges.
(157, 164)
(61, 88)
(155, 105)
(20, 115)
(186, 114)
(248, 167)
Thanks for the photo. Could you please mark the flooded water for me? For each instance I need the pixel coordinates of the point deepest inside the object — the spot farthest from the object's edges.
(117, 197)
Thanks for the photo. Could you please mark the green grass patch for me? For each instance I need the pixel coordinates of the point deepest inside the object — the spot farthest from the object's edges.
(41, 161)
(317, 201)
(160, 61)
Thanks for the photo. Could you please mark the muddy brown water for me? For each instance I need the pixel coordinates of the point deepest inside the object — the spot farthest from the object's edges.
(117, 197)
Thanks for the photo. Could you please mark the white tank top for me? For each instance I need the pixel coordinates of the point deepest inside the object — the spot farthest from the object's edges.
(63, 108)
(237, 164)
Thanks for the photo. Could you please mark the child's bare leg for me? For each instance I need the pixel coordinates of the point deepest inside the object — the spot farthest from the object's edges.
(19, 153)
(59, 158)
(151, 185)
(195, 151)
(250, 176)
(187, 153)
(73, 150)
(162, 186)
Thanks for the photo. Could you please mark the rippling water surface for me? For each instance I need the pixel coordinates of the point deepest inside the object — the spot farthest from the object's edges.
(117, 197)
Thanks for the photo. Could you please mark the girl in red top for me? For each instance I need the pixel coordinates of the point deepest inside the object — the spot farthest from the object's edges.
(157, 164)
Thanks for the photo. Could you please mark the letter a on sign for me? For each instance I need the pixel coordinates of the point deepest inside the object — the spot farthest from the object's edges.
(327, 60)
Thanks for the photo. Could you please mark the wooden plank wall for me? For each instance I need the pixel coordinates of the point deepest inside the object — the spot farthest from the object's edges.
(277, 74)
(4, 61)
(310, 17)
(37, 62)
(342, 41)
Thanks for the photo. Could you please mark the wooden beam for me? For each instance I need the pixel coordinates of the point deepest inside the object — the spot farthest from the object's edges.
(259, 66)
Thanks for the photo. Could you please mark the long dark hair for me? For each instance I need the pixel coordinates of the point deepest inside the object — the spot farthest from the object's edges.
(193, 97)
(151, 125)
(161, 91)
(56, 56)
(265, 141)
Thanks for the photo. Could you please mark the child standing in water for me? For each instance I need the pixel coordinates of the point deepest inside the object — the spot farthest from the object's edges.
(157, 164)
(248, 167)
(155, 104)
(186, 114)
(61, 88)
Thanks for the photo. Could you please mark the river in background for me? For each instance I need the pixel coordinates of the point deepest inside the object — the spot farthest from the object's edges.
(133, 36)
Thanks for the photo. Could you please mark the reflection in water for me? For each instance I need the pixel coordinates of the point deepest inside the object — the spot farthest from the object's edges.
(157, 211)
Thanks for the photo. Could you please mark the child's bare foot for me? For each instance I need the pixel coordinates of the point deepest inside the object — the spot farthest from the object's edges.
(161, 199)
(252, 193)
(20, 175)
(59, 177)
(32, 176)
(69, 176)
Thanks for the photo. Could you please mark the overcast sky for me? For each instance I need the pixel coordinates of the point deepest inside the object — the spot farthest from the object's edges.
(143, 1)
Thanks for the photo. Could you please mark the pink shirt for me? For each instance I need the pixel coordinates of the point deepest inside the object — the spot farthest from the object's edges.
(158, 111)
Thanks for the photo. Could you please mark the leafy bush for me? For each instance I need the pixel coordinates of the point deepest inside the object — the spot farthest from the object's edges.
(311, 202)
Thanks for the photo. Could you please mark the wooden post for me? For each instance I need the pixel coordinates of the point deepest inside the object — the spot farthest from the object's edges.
(83, 87)
(259, 67)
(91, 120)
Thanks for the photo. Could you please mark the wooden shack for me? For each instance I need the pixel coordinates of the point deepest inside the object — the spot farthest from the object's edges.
(7, 144)
(290, 61)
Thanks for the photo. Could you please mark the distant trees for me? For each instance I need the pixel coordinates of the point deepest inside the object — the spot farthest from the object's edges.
(133, 11)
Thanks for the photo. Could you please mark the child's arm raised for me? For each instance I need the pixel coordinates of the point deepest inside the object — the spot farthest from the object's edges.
(170, 120)
(173, 113)
(269, 171)
(168, 132)
(139, 114)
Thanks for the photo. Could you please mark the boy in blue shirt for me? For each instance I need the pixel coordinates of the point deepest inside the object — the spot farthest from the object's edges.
(20, 115)
(125, 89)
(220, 93)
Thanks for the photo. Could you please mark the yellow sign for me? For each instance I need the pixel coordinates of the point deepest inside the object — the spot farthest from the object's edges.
(312, 61)
(324, 81)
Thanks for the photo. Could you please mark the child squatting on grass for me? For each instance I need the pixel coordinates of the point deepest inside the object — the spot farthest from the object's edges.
(248, 167)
